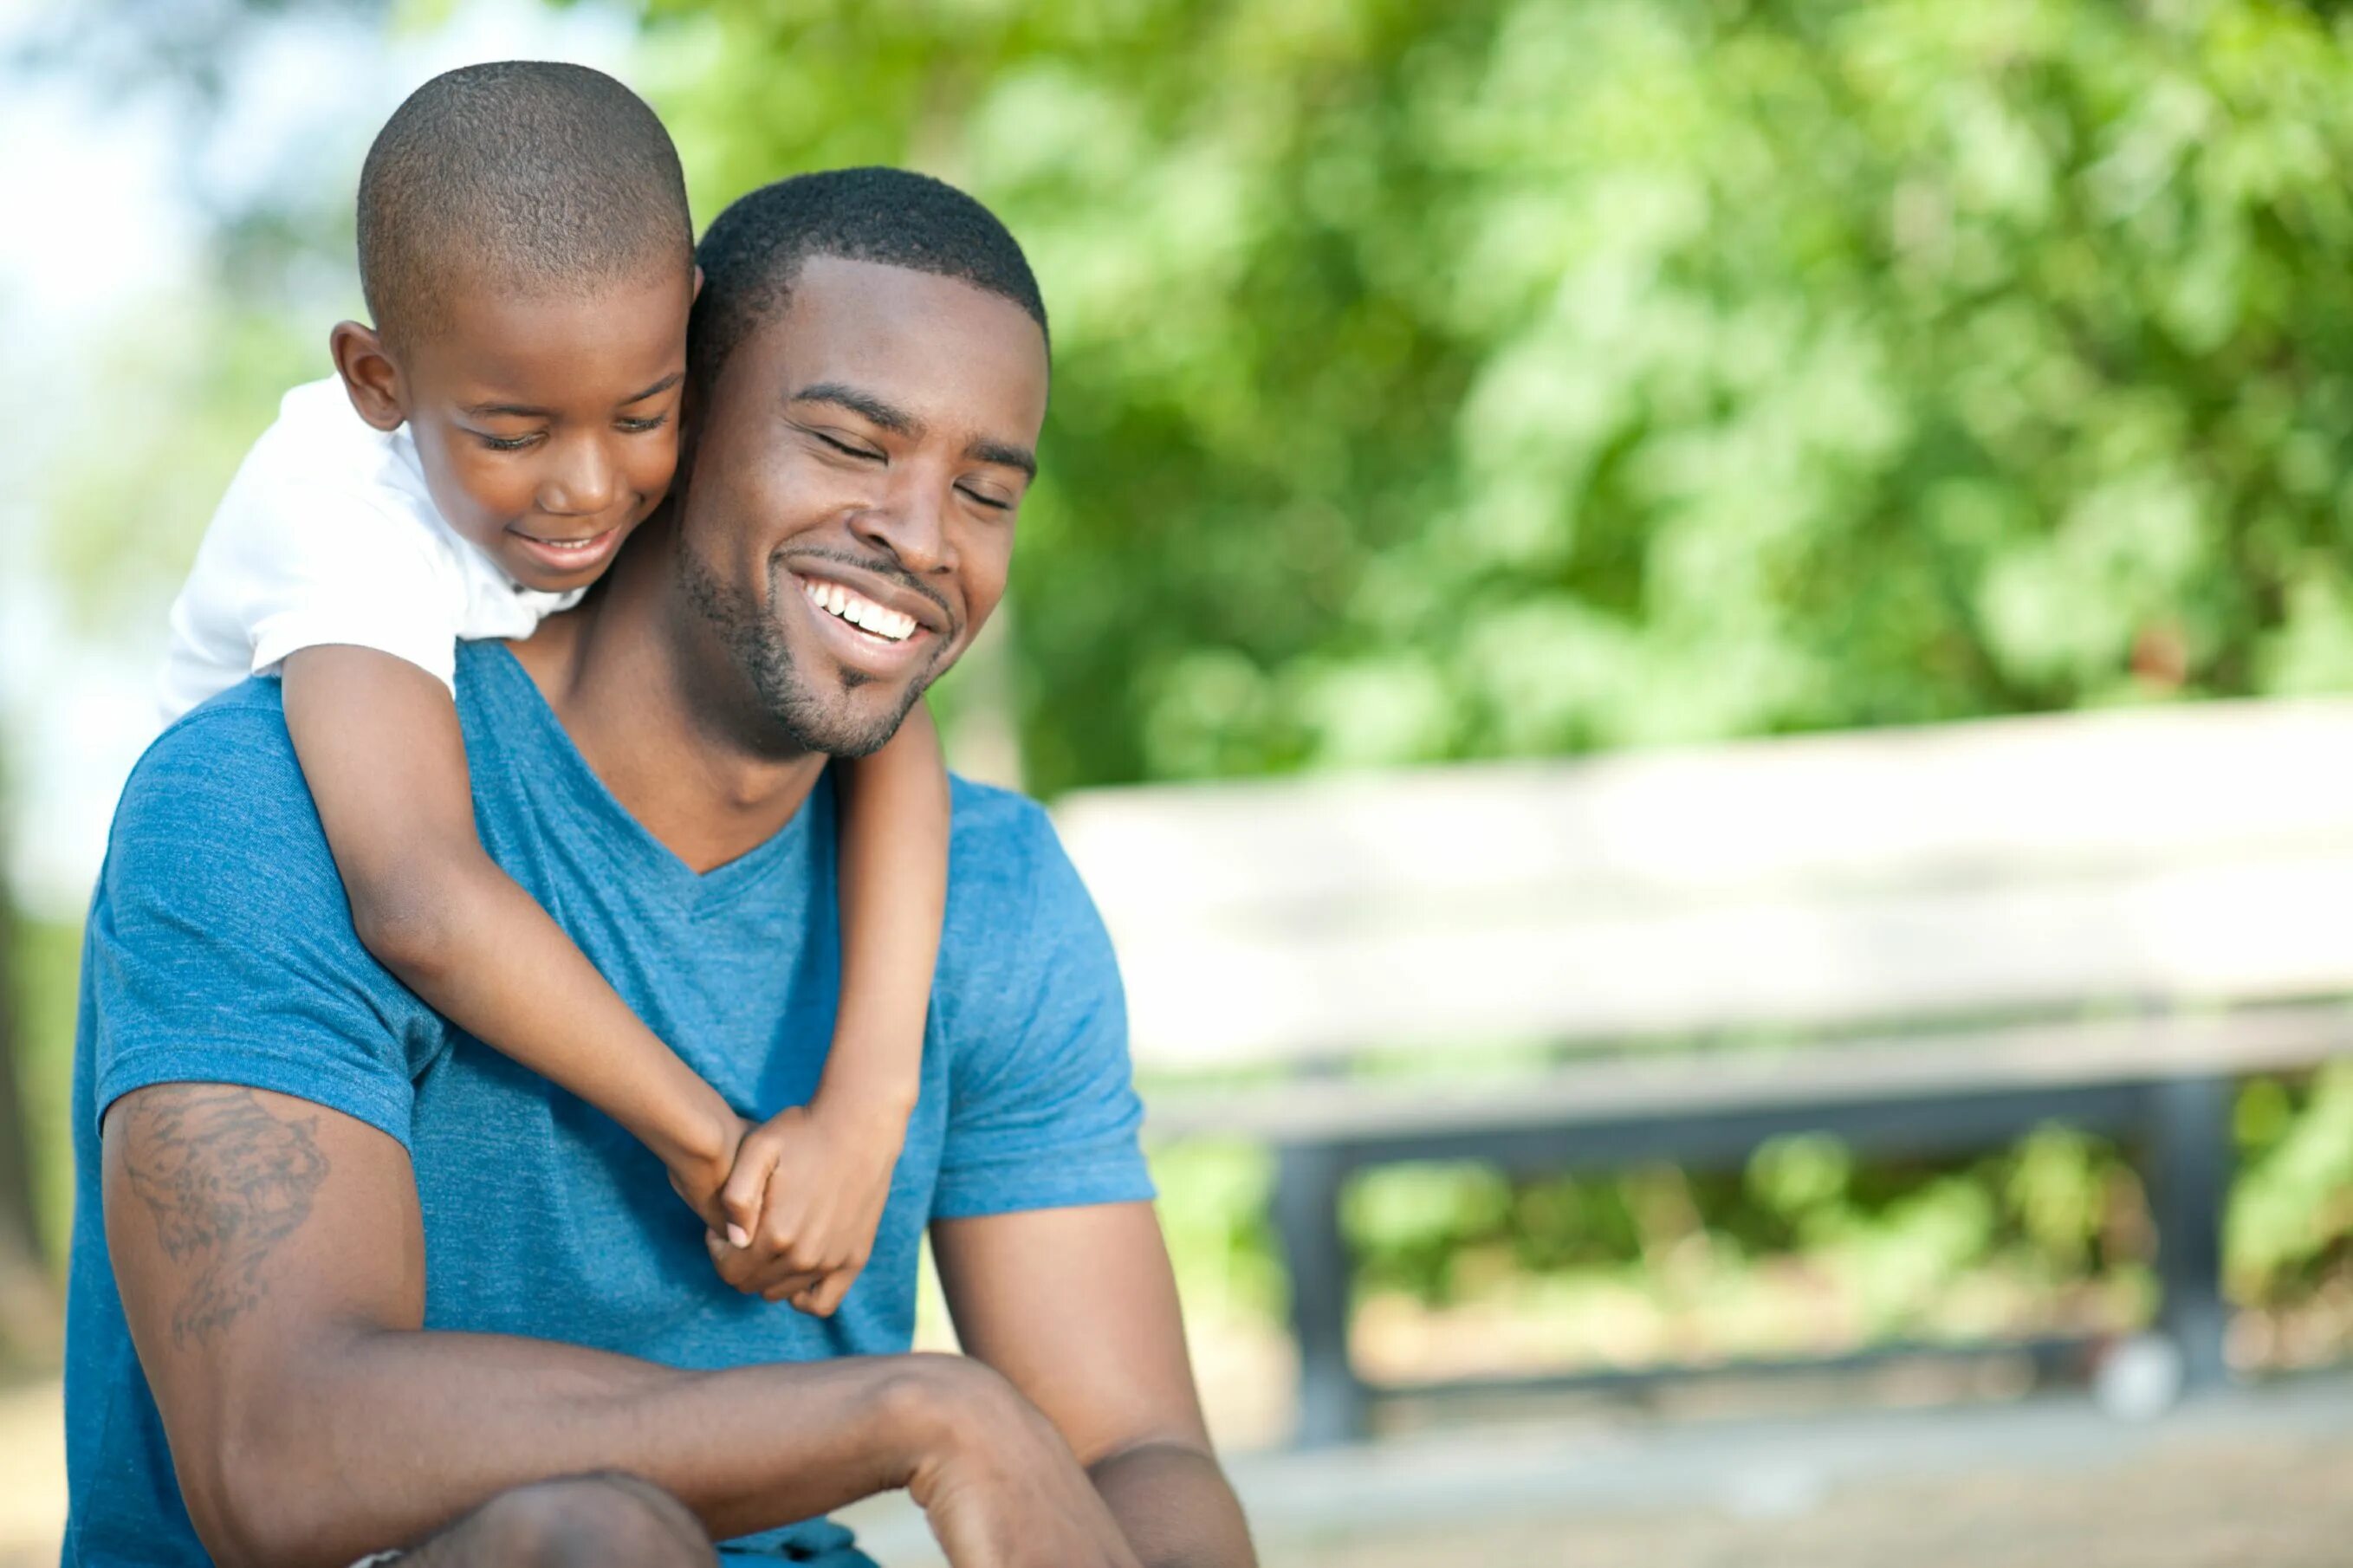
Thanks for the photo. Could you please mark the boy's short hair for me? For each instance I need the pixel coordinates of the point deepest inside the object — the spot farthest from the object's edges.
(543, 175)
(753, 250)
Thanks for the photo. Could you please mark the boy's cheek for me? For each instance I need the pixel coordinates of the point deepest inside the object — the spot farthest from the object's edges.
(655, 474)
(481, 491)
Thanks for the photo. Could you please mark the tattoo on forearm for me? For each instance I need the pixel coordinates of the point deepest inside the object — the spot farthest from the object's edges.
(227, 1182)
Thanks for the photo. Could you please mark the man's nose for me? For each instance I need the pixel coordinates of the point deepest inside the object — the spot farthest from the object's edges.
(910, 522)
(582, 480)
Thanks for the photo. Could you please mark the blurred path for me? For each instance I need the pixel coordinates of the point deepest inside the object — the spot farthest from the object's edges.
(32, 1475)
(2261, 1476)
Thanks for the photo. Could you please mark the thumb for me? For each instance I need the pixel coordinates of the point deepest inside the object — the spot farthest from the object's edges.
(739, 1197)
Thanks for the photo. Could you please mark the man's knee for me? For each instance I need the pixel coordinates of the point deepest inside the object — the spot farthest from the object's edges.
(579, 1521)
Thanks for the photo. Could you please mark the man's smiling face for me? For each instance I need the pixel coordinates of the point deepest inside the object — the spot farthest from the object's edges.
(847, 521)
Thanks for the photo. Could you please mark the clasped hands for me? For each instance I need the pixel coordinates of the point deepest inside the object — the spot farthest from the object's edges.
(790, 1205)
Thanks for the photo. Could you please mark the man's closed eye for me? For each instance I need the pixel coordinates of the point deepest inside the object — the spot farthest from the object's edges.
(846, 450)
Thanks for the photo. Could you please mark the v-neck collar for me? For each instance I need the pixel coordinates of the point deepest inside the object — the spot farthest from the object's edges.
(551, 760)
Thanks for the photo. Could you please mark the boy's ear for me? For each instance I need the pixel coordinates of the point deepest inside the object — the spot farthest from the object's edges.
(369, 375)
(698, 285)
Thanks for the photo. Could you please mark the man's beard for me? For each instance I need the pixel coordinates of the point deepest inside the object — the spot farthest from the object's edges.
(754, 636)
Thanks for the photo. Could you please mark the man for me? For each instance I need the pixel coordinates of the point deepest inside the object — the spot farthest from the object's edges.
(384, 1286)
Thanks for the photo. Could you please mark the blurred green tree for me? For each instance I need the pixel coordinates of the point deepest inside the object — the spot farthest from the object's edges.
(1522, 376)
(31, 1320)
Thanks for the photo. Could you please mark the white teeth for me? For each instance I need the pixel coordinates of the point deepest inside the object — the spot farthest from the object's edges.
(864, 614)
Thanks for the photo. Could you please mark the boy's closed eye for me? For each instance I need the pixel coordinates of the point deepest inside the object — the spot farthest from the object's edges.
(639, 427)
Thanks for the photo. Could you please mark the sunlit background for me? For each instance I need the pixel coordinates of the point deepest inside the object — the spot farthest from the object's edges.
(1434, 383)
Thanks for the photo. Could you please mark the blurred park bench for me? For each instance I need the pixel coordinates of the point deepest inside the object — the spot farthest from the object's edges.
(1943, 937)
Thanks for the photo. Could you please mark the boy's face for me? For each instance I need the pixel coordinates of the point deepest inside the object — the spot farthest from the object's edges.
(547, 426)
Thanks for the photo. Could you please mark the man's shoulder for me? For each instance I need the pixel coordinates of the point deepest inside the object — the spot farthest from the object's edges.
(1000, 844)
(236, 737)
(1017, 907)
(220, 946)
(221, 783)
(1042, 1105)
(230, 759)
(987, 818)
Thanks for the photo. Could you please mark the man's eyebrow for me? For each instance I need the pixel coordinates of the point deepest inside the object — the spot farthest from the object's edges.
(889, 416)
(987, 451)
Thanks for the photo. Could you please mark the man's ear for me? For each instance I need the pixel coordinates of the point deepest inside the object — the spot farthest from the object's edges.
(698, 285)
(369, 374)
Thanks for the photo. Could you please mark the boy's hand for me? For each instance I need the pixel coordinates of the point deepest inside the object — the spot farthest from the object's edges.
(699, 1169)
(808, 1188)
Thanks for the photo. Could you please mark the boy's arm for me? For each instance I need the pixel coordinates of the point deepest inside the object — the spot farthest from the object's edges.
(894, 889)
(809, 1185)
(380, 745)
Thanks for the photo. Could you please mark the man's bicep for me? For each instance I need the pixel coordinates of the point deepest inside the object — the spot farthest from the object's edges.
(1077, 1306)
(242, 1226)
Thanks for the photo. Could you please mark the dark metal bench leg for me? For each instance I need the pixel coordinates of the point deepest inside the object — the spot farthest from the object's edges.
(2189, 1176)
(1332, 1402)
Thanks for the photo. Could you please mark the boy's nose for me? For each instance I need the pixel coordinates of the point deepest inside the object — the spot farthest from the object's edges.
(581, 484)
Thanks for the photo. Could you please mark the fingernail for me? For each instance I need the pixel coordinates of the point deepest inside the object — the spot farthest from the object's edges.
(738, 1237)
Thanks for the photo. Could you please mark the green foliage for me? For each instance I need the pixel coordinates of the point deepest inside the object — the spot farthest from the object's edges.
(1520, 376)
(182, 394)
(46, 966)
(2291, 1214)
(1213, 1209)
(2059, 1210)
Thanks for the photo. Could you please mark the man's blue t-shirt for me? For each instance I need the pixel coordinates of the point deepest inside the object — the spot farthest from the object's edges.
(220, 949)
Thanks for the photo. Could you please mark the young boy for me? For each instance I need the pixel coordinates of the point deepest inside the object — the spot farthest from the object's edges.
(478, 458)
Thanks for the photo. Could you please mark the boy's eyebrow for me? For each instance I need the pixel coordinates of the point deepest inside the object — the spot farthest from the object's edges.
(889, 416)
(525, 411)
(664, 384)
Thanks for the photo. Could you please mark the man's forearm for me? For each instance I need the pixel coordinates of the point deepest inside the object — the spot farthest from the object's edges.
(374, 1440)
(1174, 1505)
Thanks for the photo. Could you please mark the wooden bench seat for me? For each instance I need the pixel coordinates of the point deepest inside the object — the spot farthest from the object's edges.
(1967, 929)
(2022, 1059)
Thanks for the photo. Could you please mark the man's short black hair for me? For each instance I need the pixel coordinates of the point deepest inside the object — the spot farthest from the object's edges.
(753, 250)
(541, 174)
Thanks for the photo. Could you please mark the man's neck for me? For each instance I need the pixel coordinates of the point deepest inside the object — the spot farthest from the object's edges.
(662, 717)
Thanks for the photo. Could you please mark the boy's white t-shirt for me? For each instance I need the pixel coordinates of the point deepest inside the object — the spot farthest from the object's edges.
(328, 535)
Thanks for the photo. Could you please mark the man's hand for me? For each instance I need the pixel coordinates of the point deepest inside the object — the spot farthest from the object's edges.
(808, 1189)
(999, 1487)
(1077, 1309)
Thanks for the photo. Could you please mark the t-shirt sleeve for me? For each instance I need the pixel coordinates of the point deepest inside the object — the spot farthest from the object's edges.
(313, 544)
(1043, 1111)
(319, 565)
(221, 947)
